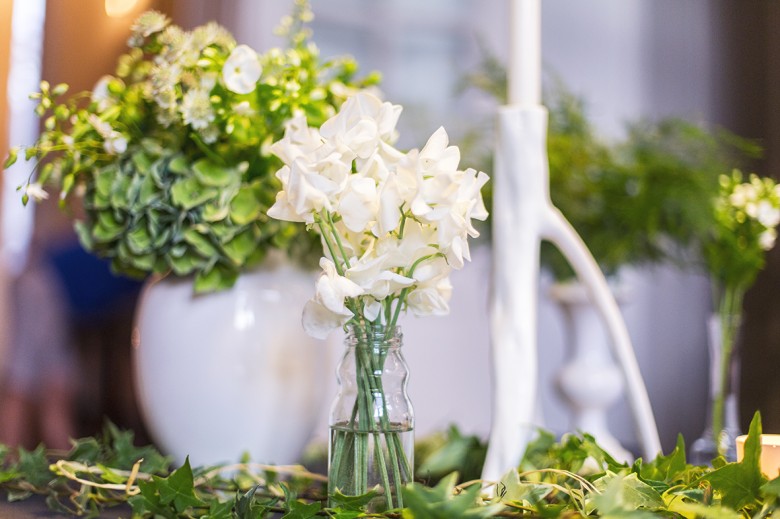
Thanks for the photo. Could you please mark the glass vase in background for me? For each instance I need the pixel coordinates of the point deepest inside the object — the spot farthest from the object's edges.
(722, 428)
(371, 421)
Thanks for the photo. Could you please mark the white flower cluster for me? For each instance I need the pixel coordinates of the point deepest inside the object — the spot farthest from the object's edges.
(759, 200)
(393, 224)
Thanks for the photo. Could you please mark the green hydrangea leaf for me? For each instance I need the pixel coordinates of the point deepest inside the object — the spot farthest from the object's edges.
(189, 193)
(184, 264)
(240, 247)
(138, 239)
(214, 212)
(107, 227)
(217, 278)
(211, 174)
(179, 165)
(245, 207)
(200, 243)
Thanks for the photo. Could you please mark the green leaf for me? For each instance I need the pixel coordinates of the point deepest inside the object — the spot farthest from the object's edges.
(625, 496)
(693, 509)
(352, 502)
(200, 242)
(301, 510)
(211, 174)
(511, 489)
(440, 502)
(217, 278)
(739, 484)
(138, 239)
(240, 247)
(220, 510)
(13, 155)
(245, 206)
(666, 468)
(35, 466)
(189, 193)
(178, 488)
(179, 165)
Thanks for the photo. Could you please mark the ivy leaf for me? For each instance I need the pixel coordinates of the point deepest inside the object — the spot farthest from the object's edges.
(739, 484)
(245, 206)
(625, 496)
(666, 468)
(178, 488)
(35, 466)
(148, 503)
(686, 508)
(301, 510)
(440, 502)
(220, 510)
(211, 174)
(352, 502)
(189, 193)
(512, 490)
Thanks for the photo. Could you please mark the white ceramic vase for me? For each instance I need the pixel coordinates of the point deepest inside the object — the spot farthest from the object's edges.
(590, 381)
(221, 374)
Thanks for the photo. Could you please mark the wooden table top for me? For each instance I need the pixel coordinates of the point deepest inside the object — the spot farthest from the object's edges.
(35, 508)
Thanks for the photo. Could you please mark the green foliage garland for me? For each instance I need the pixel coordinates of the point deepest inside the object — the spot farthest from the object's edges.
(572, 477)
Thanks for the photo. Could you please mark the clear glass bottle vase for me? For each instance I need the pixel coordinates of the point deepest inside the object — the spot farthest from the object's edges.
(371, 420)
(722, 428)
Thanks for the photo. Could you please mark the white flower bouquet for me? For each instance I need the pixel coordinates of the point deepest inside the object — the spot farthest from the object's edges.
(393, 225)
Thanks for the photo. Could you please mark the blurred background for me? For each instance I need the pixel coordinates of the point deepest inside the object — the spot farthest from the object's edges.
(715, 62)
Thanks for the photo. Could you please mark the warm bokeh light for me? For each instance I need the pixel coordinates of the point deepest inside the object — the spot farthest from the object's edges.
(118, 8)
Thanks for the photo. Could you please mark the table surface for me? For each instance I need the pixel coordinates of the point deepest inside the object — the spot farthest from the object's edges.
(35, 508)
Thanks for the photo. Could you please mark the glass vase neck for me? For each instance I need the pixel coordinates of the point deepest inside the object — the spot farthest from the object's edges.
(373, 336)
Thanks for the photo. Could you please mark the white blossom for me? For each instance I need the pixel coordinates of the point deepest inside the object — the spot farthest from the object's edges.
(242, 69)
(398, 222)
(35, 191)
(196, 109)
(328, 309)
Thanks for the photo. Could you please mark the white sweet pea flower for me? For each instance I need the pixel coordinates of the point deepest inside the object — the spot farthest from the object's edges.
(328, 310)
(299, 141)
(359, 204)
(361, 124)
(417, 243)
(432, 292)
(242, 69)
(374, 279)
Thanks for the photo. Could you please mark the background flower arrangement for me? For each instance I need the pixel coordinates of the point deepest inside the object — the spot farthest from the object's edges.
(170, 157)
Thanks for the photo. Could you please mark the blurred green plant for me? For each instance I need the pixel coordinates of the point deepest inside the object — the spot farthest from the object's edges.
(169, 158)
(636, 201)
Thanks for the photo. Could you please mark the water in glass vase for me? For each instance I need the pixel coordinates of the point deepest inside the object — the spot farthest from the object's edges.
(379, 461)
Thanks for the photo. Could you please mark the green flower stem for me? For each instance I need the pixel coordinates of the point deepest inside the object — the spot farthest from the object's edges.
(729, 312)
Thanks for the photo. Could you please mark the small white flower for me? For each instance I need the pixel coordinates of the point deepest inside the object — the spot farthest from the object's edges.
(767, 214)
(147, 24)
(766, 239)
(362, 122)
(35, 191)
(100, 94)
(196, 109)
(115, 144)
(243, 109)
(242, 70)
